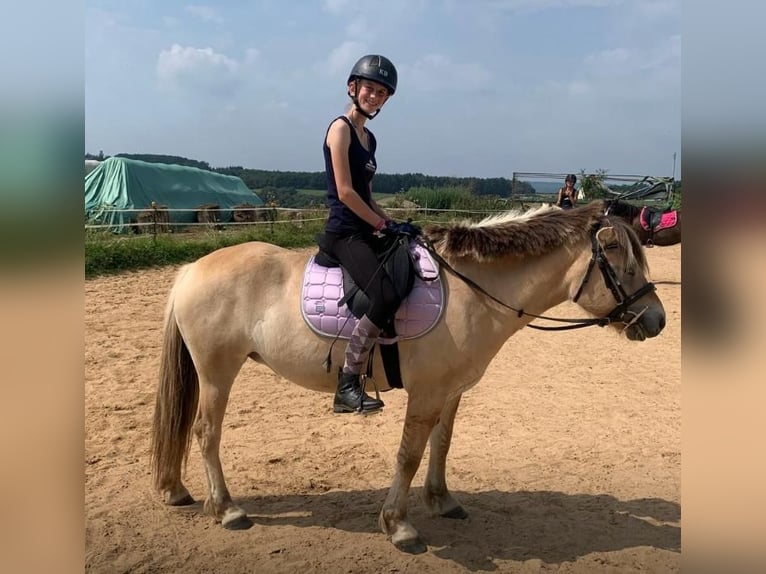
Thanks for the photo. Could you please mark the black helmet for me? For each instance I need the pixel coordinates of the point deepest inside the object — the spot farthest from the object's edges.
(376, 68)
(571, 177)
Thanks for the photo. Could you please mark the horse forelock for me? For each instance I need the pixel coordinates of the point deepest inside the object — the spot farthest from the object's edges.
(629, 244)
(534, 232)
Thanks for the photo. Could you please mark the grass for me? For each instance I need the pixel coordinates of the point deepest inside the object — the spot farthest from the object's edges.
(106, 253)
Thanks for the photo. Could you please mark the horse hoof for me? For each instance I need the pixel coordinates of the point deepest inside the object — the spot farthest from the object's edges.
(178, 497)
(457, 512)
(414, 546)
(239, 521)
(183, 501)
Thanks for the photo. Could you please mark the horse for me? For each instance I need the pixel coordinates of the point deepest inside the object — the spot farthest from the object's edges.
(648, 223)
(499, 274)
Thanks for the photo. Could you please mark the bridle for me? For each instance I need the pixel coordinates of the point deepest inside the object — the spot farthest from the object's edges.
(618, 314)
(613, 284)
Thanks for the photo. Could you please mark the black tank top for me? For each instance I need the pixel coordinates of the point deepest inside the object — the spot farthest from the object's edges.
(566, 201)
(341, 219)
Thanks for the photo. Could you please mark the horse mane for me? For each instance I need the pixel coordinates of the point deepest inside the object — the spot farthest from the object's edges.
(537, 231)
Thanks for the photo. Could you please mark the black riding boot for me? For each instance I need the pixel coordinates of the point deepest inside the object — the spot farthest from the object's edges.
(349, 397)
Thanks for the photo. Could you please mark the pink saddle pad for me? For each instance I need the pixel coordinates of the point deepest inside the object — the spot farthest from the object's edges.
(418, 313)
(669, 219)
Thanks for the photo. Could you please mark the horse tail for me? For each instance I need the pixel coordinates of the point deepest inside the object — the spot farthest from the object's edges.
(176, 404)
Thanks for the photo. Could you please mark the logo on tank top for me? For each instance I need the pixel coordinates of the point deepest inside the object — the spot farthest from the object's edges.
(370, 166)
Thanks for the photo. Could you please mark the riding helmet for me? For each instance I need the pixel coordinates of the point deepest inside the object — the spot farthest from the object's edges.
(376, 68)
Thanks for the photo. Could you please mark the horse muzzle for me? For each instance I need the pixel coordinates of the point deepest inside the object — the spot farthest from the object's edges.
(642, 323)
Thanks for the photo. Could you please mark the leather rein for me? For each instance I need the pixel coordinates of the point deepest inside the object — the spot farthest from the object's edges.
(610, 279)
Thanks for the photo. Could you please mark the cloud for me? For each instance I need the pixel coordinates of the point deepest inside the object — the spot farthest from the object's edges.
(610, 60)
(657, 8)
(633, 76)
(538, 5)
(578, 88)
(438, 72)
(358, 28)
(197, 69)
(659, 62)
(336, 6)
(204, 13)
(342, 58)
(251, 55)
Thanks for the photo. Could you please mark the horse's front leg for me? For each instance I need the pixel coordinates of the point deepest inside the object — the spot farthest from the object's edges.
(436, 496)
(422, 414)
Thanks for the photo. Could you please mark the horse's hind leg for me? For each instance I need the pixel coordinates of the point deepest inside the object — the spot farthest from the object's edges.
(436, 496)
(216, 380)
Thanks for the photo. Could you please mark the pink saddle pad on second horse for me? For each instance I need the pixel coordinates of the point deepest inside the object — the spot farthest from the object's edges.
(418, 313)
(669, 219)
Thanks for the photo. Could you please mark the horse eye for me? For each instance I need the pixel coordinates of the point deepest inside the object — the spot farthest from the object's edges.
(611, 246)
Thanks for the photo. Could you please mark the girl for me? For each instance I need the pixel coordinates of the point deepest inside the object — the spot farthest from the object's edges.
(355, 217)
(567, 197)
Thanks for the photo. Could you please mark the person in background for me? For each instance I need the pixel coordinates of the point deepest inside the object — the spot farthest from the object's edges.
(355, 220)
(567, 197)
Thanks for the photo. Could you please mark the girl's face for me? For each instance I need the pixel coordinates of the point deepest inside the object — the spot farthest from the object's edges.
(569, 183)
(371, 96)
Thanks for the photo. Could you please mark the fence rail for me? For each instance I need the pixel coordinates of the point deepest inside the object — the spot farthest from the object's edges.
(160, 221)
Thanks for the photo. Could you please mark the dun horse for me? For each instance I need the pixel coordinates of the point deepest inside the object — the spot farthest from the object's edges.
(653, 227)
(242, 302)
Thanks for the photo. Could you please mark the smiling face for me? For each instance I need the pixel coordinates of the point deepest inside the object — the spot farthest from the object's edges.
(371, 96)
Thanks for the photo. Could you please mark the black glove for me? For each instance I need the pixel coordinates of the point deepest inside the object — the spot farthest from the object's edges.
(404, 228)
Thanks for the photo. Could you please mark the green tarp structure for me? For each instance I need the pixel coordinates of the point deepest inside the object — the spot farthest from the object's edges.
(119, 183)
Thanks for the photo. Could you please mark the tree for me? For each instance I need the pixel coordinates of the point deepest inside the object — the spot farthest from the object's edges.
(592, 184)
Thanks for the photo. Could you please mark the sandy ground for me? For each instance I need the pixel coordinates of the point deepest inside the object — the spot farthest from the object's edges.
(566, 456)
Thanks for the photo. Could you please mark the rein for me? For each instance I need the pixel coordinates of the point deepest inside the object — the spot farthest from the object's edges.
(610, 278)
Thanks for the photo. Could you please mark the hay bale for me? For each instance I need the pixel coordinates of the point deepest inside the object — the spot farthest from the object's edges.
(243, 213)
(208, 213)
(155, 219)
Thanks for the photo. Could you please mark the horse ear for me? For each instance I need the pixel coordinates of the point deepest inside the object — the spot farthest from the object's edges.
(606, 236)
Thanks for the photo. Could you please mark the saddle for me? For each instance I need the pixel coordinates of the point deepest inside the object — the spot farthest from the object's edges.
(332, 303)
(656, 219)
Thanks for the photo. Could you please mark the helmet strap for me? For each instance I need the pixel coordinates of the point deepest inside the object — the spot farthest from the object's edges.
(357, 107)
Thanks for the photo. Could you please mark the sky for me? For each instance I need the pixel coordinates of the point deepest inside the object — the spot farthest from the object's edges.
(486, 87)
